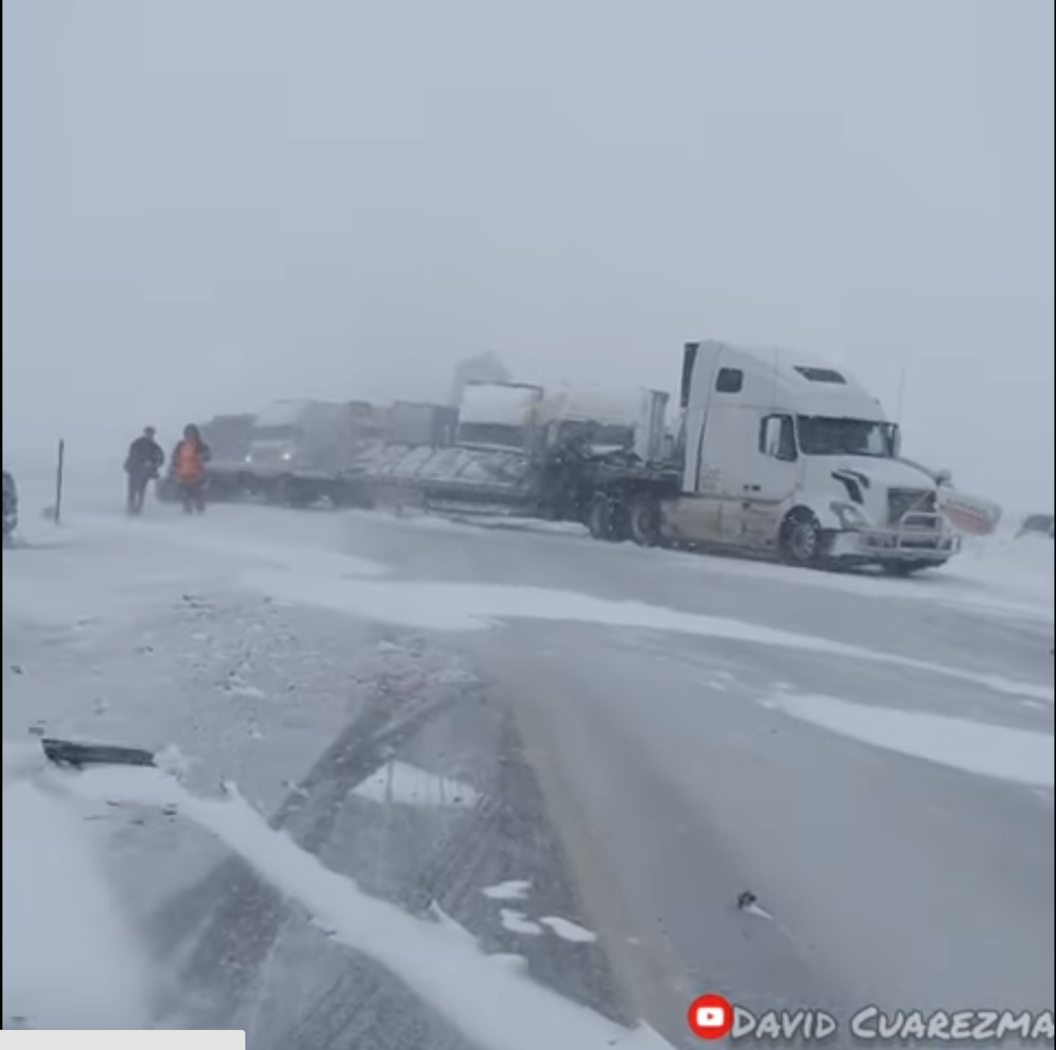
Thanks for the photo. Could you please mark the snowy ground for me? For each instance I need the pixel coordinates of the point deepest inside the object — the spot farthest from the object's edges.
(578, 754)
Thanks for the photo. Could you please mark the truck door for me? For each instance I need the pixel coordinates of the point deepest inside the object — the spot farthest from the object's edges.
(757, 499)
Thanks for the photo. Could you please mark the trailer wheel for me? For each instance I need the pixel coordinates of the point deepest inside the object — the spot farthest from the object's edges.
(600, 518)
(643, 521)
(802, 539)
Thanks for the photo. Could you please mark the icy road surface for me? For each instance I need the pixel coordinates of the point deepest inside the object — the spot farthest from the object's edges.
(527, 744)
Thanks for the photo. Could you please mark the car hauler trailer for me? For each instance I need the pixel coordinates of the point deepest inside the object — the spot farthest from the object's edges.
(481, 459)
(785, 455)
(519, 453)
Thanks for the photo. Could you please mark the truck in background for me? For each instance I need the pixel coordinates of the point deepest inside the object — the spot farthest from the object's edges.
(298, 436)
(787, 455)
(298, 450)
(291, 453)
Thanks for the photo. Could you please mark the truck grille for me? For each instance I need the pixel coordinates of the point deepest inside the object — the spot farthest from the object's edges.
(901, 502)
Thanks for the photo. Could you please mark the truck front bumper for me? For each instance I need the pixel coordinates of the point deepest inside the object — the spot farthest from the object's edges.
(920, 538)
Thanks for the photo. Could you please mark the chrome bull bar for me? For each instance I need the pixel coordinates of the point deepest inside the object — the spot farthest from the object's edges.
(920, 534)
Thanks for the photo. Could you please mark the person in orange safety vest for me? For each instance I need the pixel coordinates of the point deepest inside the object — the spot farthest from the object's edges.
(189, 461)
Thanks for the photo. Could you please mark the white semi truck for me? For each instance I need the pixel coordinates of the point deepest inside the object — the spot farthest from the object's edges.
(784, 454)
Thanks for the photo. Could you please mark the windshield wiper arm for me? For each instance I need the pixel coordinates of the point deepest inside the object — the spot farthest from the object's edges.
(76, 756)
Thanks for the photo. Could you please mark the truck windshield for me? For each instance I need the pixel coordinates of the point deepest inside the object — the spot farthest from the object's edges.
(828, 436)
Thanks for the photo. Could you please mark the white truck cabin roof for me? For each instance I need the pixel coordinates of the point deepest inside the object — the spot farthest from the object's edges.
(779, 380)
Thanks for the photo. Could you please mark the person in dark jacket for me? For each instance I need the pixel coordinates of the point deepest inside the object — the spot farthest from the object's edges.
(189, 461)
(142, 465)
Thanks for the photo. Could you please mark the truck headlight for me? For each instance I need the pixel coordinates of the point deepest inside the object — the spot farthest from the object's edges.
(851, 516)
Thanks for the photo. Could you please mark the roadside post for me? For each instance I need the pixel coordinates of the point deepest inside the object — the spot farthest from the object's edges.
(60, 477)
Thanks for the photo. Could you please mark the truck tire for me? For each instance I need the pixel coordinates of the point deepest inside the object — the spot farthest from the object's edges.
(600, 518)
(802, 539)
(643, 521)
(291, 492)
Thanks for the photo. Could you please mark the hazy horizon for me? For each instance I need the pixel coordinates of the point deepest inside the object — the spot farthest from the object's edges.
(207, 207)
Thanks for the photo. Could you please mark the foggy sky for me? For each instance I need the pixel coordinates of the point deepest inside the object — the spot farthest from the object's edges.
(213, 203)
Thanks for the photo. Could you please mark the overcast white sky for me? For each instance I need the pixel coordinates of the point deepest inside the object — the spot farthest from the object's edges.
(212, 203)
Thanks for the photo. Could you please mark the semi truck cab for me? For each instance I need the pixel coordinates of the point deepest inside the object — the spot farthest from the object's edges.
(301, 436)
(790, 454)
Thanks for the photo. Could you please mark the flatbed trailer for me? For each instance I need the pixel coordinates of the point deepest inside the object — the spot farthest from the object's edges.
(566, 483)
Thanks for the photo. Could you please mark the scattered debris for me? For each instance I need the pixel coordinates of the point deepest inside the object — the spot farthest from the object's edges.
(518, 922)
(508, 891)
(569, 931)
(748, 902)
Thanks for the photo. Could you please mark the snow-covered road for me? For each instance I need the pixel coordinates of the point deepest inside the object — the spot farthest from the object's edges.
(584, 754)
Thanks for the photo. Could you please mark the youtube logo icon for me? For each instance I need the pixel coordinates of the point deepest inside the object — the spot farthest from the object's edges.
(711, 1017)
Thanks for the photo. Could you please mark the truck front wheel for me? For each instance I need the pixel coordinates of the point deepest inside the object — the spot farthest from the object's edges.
(802, 539)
